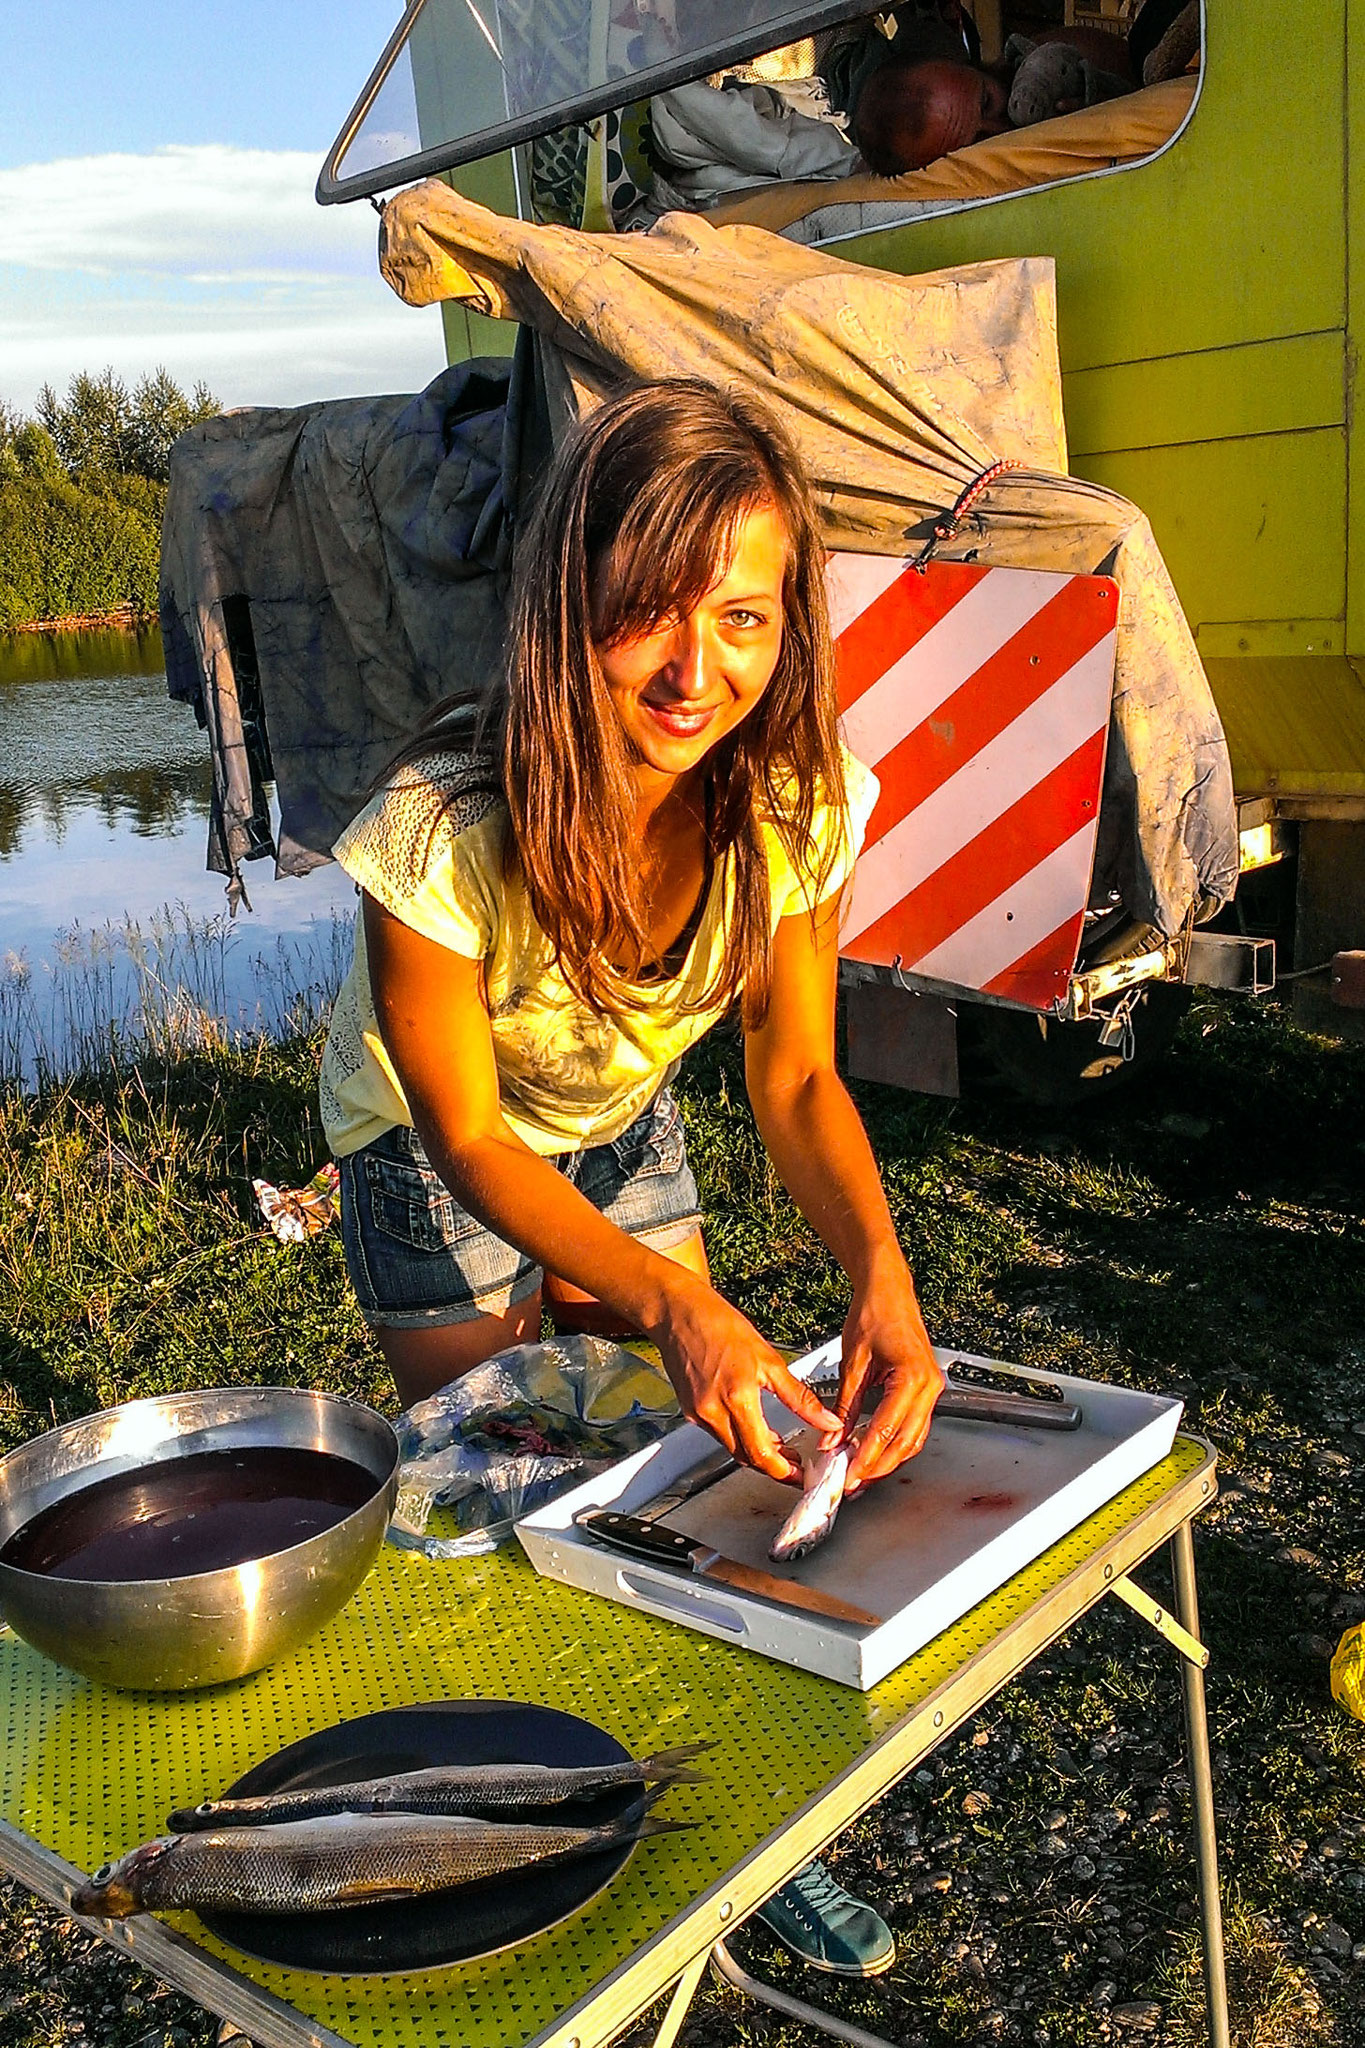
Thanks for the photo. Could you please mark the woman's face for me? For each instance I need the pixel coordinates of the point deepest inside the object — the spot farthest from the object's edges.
(679, 689)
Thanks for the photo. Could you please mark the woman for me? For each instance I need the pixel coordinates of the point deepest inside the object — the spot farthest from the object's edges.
(661, 830)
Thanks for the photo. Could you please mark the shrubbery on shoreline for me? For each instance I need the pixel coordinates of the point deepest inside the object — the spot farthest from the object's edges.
(82, 491)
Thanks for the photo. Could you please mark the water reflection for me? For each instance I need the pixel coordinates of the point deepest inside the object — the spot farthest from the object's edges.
(47, 657)
(104, 797)
(149, 802)
(88, 727)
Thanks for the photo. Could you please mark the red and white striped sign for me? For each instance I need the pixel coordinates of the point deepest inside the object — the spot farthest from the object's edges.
(981, 698)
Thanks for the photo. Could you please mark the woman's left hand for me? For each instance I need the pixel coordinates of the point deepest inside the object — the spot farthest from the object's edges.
(887, 1346)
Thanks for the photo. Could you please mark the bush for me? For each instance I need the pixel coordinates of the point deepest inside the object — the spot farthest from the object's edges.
(67, 552)
(82, 491)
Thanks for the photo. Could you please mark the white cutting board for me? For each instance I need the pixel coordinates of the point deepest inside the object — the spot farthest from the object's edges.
(919, 1549)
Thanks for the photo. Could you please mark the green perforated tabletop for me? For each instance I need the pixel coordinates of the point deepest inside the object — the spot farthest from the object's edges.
(87, 1772)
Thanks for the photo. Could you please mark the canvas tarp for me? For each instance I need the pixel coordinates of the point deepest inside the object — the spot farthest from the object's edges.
(899, 392)
(329, 572)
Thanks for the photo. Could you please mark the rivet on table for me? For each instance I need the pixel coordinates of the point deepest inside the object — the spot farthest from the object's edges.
(726, 1909)
(938, 1720)
(1109, 1571)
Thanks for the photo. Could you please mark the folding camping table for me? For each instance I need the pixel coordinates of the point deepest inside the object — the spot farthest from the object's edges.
(88, 1771)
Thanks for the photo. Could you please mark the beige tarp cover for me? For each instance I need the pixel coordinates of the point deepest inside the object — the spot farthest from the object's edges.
(1119, 131)
(899, 392)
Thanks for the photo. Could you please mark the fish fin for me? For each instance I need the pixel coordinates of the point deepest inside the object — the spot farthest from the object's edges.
(670, 1766)
(654, 1824)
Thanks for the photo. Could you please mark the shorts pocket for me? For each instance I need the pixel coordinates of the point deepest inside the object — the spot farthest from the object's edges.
(654, 1143)
(412, 1204)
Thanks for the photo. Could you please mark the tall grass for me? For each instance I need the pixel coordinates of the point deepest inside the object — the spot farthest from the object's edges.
(117, 993)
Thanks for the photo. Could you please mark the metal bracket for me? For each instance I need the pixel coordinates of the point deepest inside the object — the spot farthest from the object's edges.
(729, 1971)
(1226, 960)
(684, 1991)
(1165, 1624)
(1089, 989)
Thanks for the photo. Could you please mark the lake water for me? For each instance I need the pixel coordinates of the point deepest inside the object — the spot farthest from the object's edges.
(104, 797)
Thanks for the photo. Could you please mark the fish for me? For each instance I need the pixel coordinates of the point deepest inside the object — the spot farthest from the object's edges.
(340, 1860)
(495, 1790)
(810, 1521)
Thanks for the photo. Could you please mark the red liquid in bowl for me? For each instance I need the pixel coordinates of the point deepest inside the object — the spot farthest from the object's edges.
(188, 1515)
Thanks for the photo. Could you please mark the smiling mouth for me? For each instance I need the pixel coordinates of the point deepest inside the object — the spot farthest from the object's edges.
(679, 721)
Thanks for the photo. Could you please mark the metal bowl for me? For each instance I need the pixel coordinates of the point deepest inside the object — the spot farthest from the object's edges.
(169, 1635)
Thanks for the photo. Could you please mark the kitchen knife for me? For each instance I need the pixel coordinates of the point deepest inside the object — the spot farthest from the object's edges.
(1020, 1411)
(652, 1544)
(717, 1466)
(1037, 1405)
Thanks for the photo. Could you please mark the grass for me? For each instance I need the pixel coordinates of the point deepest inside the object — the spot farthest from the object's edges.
(1205, 1236)
(119, 993)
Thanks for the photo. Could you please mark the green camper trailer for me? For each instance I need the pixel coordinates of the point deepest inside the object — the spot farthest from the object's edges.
(1207, 238)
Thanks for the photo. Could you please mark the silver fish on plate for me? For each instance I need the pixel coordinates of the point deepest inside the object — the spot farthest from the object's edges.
(825, 1474)
(472, 1789)
(339, 1860)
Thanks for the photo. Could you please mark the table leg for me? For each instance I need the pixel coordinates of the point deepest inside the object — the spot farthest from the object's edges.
(725, 1966)
(1201, 1786)
(684, 1991)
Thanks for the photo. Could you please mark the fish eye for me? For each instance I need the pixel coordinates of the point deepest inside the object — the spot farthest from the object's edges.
(106, 1870)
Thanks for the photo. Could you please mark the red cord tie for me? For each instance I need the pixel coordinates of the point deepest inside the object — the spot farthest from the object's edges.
(949, 527)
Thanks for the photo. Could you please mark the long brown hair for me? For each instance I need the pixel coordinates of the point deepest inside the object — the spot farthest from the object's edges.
(636, 521)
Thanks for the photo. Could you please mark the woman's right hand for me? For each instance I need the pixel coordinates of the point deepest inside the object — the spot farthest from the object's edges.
(720, 1368)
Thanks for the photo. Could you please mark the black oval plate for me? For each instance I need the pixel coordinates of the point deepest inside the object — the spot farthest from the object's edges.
(444, 1927)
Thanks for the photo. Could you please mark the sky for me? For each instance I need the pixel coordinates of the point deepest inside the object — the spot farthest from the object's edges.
(157, 165)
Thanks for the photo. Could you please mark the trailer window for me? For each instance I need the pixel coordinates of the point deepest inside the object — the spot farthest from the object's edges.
(949, 112)
(626, 109)
(463, 79)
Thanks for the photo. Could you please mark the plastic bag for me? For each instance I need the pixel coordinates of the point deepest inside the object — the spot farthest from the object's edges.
(518, 1430)
(1348, 1672)
(296, 1213)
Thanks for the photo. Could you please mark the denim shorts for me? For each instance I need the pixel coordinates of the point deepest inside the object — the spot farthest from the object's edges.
(417, 1259)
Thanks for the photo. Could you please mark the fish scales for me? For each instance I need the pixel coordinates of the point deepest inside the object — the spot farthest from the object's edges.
(336, 1861)
(810, 1521)
(471, 1789)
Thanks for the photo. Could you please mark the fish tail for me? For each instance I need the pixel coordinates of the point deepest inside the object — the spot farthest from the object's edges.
(670, 1766)
(626, 1830)
(654, 1824)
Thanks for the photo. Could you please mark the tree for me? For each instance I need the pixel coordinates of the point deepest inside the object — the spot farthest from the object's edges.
(35, 452)
(82, 491)
(101, 429)
(159, 411)
(90, 426)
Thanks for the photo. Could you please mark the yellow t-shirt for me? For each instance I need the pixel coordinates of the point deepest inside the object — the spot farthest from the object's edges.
(568, 1077)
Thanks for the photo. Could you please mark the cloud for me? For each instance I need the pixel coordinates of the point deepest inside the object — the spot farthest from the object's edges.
(214, 261)
(206, 211)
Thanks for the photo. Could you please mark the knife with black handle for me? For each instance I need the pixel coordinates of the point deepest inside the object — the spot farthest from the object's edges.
(651, 1543)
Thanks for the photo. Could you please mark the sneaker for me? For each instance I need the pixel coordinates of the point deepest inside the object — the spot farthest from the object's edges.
(827, 1927)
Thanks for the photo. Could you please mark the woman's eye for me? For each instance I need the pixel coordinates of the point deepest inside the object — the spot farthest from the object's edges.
(748, 618)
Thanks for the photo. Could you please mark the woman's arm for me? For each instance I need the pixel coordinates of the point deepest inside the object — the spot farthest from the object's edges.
(818, 1145)
(433, 1018)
